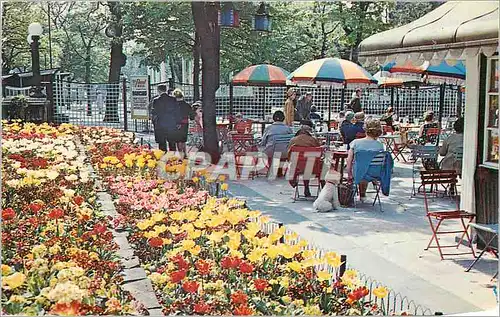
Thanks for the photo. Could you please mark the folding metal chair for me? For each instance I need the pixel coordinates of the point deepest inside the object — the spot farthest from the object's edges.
(492, 229)
(298, 157)
(374, 172)
(195, 139)
(243, 144)
(243, 127)
(448, 179)
(279, 142)
(420, 152)
(431, 136)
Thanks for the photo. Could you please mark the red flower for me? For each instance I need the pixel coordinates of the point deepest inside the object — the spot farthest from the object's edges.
(260, 284)
(78, 200)
(65, 309)
(243, 310)
(8, 213)
(230, 262)
(190, 286)
(100, 228)
(239, 298)
(203, 267)
(156, 242)
(246, 268)
(201, 308)
(177, 276)
(35, 207)
(56, 213)
(358, 293)
(181, 263)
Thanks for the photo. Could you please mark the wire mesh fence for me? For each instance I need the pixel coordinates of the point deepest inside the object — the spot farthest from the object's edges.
(102, 104)
(92, 104)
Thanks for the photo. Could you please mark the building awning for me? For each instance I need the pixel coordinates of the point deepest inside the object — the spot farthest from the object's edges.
(451, 32)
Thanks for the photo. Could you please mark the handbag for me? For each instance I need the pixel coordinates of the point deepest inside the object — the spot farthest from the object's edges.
(346, 194)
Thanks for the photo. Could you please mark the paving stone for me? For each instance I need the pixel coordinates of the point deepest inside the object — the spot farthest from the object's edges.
(126, 253)
(130, 262)
(156, 312)
(133, 274)
(143, 292)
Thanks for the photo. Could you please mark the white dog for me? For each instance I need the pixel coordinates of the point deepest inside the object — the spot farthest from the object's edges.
(328, 198)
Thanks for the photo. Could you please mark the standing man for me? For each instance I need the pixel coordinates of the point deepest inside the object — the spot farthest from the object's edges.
(304, 106)
(165, 116)
(355, 103)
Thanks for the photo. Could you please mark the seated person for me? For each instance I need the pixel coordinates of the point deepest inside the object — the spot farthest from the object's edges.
(303, 138)
(428, 123)
(315, 115)
(349, 129)
(360, 120)
(451, 146)
(388, 118)
(373, 130)
(277, 128)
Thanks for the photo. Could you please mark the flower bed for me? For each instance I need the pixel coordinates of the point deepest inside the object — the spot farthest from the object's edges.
(208, 255)
(58, 256)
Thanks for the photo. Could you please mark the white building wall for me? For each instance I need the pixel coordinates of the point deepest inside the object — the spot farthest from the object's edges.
(471, 131)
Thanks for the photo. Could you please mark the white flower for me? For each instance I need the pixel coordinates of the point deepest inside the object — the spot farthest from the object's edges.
(66, 293)
(69, 192)
(52, 175)
(13, 183)
(71, 177)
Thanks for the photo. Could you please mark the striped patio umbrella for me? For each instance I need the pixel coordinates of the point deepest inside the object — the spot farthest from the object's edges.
(331, 70)
(443, 70)
(261, 75)
(386, 80)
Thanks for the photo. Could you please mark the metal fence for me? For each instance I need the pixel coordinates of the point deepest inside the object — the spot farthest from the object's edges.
(102, 104)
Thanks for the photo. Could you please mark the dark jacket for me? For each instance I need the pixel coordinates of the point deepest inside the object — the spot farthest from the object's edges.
(166, 113)
(355, 104)
(348, 132)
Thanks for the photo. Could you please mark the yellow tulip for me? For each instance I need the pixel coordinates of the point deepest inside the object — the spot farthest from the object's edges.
(6, 270)
(295, 266)
(324, 276)
(273, 251)
(195, 250)
(13, 281)
(188, 244)
(380, 292)
(224, 186)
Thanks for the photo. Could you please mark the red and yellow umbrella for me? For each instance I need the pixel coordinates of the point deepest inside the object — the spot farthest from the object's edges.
(332, 70)
(261, 75)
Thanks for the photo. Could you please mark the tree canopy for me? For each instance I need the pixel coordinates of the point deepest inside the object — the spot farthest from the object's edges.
(155, 32)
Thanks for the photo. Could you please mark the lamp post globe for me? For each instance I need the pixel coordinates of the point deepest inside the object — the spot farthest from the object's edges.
(35, 28)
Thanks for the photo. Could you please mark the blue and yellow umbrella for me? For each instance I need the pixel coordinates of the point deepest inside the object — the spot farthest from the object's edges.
(331, 70)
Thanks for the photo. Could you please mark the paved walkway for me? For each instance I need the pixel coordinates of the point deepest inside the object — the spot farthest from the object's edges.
(387, 246)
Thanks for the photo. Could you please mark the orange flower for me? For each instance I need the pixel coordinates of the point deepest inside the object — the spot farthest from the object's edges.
(156, 242)
(203, 267)
(190, 286)
(65, 309)
(243, 310)
(177, 276)
(239, 298)
(8, 213)
(246, 268)
(35, 207)
(260, 284)
(201, 308)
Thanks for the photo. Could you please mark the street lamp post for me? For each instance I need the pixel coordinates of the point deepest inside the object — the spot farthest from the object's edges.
(34, 32)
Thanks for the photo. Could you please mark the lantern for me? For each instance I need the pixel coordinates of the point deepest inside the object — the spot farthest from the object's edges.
(229, 16)
(262, 20)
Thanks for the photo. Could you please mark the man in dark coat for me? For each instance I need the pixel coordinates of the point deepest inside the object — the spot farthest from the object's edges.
(165, 116)
(355, 103)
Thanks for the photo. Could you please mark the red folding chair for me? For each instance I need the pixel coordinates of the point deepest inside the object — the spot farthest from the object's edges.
(396, 148)
(387, 129)
(298, 157)
(448, 179)
(243, 127)
(243, 144)
(333, 125)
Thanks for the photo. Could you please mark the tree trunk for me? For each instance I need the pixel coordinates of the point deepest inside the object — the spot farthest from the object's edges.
(205, 16)
(196, 67)
(87, 78)
(115, 66)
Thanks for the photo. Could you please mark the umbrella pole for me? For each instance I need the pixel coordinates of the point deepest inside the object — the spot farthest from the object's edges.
(330, 108)
(342, 98)
(230, 99)
(442, 88)
(392, 96)
(263, 103)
